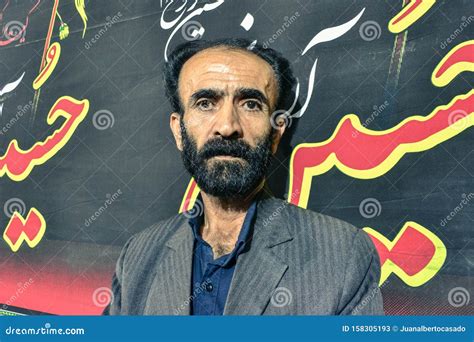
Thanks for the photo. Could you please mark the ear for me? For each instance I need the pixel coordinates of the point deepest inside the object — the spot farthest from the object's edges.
(175, 119)
(278, 131)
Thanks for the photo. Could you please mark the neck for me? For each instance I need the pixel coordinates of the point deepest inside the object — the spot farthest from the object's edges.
(223, 220)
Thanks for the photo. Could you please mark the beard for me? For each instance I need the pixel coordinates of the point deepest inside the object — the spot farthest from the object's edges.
(229, 179)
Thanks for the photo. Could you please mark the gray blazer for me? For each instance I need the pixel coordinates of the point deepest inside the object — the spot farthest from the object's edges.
(299, 263)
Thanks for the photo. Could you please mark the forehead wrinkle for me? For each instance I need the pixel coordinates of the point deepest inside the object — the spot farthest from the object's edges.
(230, 73)
(226, 62)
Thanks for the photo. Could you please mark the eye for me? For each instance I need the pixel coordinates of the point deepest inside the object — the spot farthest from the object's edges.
(252, 105)
(204, 104)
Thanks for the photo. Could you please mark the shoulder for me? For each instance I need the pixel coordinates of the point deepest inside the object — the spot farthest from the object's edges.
(325, 232)
(302, 220)
(150, 240)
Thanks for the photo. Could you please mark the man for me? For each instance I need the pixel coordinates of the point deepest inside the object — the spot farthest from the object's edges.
(240, 251)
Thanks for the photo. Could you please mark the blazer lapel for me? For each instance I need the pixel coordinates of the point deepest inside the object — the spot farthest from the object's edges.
(259, 270)
(171, 288)
(256, 276)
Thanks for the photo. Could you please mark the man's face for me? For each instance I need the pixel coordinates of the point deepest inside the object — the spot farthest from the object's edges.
(225, 134)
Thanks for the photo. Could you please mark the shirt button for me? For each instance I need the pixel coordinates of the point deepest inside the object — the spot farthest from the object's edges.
(209, 287)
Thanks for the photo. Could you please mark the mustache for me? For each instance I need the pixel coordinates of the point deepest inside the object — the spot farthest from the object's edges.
(233, 148)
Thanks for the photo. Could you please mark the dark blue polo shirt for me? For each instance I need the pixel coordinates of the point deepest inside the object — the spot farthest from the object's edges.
(211, 278)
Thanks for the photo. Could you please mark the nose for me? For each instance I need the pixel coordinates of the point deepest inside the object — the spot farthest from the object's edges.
(227, 124)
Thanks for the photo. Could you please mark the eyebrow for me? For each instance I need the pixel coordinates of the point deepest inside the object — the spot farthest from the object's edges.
(208, 93)
(251, 93)
(241, 93)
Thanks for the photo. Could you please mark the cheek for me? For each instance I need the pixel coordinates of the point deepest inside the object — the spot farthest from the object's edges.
(197, 129)
(256, 128)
